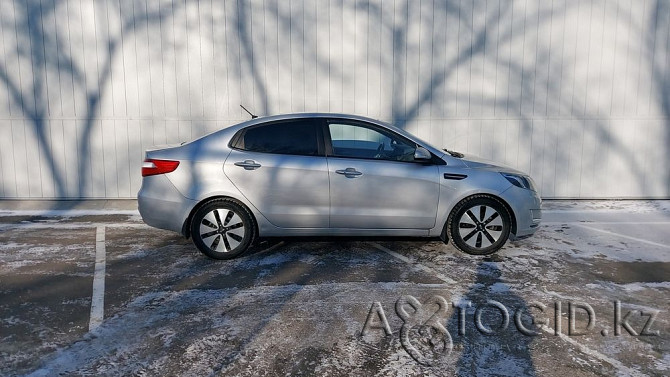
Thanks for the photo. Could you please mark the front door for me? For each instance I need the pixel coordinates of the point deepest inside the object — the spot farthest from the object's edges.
(374, 181)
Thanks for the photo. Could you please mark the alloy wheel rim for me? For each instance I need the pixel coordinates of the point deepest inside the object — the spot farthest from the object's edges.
(480, 226)
(222, 230)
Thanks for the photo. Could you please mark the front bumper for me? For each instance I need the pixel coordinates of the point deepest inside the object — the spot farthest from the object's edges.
(526, 205)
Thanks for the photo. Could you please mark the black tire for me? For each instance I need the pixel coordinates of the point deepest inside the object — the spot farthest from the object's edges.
(223, 229)
(474, 227)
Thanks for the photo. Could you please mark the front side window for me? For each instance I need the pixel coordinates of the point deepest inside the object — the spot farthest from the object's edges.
(357, 141)
(292, 137)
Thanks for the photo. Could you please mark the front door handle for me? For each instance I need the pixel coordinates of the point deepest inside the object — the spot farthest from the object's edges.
(248, 164)
(349, 172)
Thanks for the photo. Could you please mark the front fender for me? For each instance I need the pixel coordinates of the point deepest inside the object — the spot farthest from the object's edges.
(452, 191)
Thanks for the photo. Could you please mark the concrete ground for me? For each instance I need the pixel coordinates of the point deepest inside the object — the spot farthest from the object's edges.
(87, 289)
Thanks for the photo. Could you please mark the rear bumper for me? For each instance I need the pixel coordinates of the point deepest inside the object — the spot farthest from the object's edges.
(161, 205)
(526, 205)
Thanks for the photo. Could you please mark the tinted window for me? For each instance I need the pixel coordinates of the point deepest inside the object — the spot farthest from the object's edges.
(297, 137)
(357, 141)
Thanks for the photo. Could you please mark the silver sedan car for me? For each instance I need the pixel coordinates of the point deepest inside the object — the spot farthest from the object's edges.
(331, 175)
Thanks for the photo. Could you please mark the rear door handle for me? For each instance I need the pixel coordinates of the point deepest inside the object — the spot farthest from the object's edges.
(248, 164)
(349, 172)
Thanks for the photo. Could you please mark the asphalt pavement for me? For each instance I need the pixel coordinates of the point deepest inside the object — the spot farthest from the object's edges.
(87, 289)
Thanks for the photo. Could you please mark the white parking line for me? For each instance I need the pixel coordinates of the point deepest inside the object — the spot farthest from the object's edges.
(623, 236)
(595, 354)
(98, 296)
(413, 263)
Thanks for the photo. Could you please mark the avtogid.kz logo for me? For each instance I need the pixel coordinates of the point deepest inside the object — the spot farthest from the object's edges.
(425, 337)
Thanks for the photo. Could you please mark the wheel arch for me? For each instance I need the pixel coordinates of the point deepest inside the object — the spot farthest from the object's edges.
(443, 234)
(186, 226)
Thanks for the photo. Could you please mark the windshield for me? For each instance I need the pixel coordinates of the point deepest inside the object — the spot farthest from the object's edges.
(418, 140)
(423, 143)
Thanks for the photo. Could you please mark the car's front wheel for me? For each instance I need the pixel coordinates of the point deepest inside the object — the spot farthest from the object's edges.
(479, 225)
(222, 229)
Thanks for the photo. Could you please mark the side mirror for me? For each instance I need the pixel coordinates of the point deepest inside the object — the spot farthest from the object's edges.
(422, 154)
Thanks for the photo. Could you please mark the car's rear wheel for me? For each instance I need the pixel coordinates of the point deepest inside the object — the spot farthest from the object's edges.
(479, 225)
(222, 229)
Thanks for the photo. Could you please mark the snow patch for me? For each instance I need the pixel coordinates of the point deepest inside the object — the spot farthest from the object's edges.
(69, 212)
(499, 288)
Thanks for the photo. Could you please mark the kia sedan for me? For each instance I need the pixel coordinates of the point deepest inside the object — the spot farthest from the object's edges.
(331, 175)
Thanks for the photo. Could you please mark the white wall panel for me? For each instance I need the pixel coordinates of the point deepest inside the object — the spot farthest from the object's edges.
(7, 168)
(574, 92)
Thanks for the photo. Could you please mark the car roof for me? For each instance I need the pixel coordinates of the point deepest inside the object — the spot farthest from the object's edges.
(271, 118)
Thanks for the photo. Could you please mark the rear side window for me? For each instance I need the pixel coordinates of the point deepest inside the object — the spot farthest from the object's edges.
(294, 137)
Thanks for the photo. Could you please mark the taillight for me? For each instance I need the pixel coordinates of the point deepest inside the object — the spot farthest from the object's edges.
(152, 166)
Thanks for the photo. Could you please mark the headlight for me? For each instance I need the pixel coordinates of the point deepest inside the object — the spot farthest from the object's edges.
(522, 181)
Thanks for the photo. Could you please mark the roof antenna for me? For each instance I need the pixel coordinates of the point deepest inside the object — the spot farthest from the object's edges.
(249, 112)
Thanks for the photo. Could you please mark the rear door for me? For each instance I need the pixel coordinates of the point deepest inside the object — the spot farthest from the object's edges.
(281, 169)
(375, 182)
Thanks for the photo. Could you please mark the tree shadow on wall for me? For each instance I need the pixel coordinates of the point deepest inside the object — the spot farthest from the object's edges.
(416, 84)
